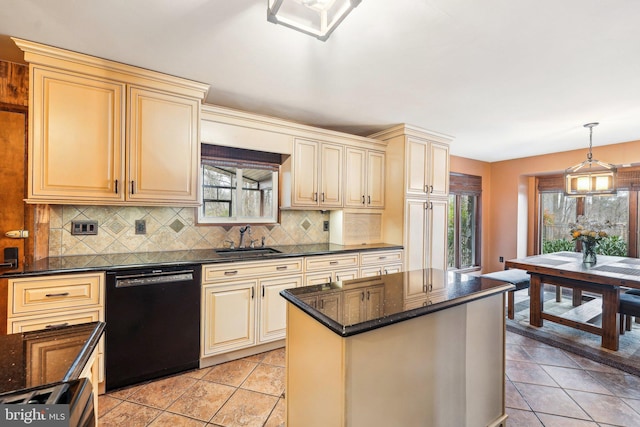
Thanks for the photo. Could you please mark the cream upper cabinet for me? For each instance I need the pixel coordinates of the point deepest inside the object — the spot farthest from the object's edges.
(364, 181)
(163, 147)
(79, 151)
(427, 167)
(418, 162)
(76, 143)
(317, 174)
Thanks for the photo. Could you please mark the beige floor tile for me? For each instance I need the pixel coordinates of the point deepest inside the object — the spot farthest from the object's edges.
(550, 356)
(202, 400)
(520, 418)
(167, 419)
(245, 409)
(516, 352)
(550, 400)
(513, 399)
(161, 393)
(266, 379)
(231, 373)
(528, 372)
(606, 409)
(620, 384)
(575, 379)
(556, 421)
(275, 357)
(197, 373)
(107, 403)
(257, 358)
(278, 415)
(130, 415)
(590, 365)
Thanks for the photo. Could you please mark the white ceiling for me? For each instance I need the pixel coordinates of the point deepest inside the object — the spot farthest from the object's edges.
(505, 78)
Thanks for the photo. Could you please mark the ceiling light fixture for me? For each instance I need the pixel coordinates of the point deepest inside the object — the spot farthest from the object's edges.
(591, 177)
(317, 18)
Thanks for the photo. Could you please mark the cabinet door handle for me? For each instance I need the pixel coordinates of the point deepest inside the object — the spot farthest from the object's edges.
(362, 296)
(281, 267)
(61, 294)
(59, 325)
(323, 197)
(230, 273)
(430, 288)
(133, 187)
(380, 272)
(337, 278)
(116, 185)
(368, 200)
(321, 304)
(386, 271)
(329, 281)
(363, 199)
(262, 291)
(315, 196)
(252, 292)
(431, 189)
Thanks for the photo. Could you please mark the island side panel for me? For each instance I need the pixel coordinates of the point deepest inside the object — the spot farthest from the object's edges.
(315, 372)
(410, 373)
(485, 386)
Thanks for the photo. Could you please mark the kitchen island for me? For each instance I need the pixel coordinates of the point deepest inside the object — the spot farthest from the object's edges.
(397, 350)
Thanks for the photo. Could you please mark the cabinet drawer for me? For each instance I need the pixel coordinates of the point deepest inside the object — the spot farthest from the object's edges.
(379, 270)
(332, 262)
(239, 270)
(330, 276)
(34, 323)
(39, 294)
(380, 257)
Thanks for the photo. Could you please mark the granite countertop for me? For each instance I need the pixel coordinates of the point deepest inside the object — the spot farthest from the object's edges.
(85, 263)
(47, 356)
(399, 297)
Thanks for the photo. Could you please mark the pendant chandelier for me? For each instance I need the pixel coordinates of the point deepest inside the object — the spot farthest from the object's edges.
(317, 18)
(591, 177)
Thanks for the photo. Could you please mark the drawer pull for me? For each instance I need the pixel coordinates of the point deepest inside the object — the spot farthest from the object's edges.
(61, 294)
(230, 273)
(59, 325)
(382, 257)
(281, 267)
(333, 263)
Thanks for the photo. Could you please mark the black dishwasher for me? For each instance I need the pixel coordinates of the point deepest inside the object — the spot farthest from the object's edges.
(152, 323)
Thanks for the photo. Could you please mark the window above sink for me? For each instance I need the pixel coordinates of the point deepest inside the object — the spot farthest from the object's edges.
(238, 186)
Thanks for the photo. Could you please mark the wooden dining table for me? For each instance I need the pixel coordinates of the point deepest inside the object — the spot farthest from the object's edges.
(565, 269)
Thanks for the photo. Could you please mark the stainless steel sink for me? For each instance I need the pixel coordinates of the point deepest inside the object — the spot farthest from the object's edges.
(246, 252)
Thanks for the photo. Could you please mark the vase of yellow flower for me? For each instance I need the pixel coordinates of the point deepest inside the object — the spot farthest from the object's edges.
(589, 233)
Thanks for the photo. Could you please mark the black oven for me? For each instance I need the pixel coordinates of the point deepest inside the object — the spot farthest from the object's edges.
(73, 399)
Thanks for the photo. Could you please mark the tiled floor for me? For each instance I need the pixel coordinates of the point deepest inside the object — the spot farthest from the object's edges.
(545, 386)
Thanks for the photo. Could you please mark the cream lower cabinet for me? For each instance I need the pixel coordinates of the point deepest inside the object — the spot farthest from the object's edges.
(329, 304)
(43, 302)
(241, 305)
(331, 268)
(377, 263)
(229, 316)
(108, 133)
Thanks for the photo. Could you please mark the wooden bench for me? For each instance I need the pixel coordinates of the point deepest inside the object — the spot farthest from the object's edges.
(519, 278)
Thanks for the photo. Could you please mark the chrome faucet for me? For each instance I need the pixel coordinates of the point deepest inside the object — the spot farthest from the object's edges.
(246, 228)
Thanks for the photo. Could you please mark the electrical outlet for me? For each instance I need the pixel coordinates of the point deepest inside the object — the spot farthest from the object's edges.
(501, 259)
(141, 226)
(325, 226)
(84, 228)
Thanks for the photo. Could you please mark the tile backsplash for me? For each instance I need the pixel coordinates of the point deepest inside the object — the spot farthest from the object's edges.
(169, 229)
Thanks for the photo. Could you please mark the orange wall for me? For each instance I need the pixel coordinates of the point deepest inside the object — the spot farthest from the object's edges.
(507, 195)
